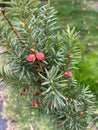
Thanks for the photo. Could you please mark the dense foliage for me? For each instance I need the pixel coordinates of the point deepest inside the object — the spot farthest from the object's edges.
(87, 26)
(39, 71)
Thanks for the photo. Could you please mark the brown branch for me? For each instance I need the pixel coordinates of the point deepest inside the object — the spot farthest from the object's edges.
(11, 25)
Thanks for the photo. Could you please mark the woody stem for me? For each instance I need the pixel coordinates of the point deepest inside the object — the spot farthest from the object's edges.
(11, 25)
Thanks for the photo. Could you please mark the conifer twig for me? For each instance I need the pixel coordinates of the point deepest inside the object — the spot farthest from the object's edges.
(11, 25)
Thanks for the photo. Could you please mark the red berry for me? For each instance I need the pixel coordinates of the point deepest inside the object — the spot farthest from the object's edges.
(25, 90)
(71, 57)
(81, 113)
(40, 56)
(21, 93)
(37, 93)
(68, 74)
(31, 57)
(35, 104)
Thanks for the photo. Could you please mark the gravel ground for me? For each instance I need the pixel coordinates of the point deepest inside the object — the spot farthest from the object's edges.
(3, 123)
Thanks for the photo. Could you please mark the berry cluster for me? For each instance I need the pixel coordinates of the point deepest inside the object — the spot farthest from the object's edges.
(39, 56)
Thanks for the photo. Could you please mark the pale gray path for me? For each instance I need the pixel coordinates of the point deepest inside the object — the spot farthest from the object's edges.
(3, 124)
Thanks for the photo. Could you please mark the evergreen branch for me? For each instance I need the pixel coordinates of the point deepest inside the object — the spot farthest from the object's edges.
(11, 25)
